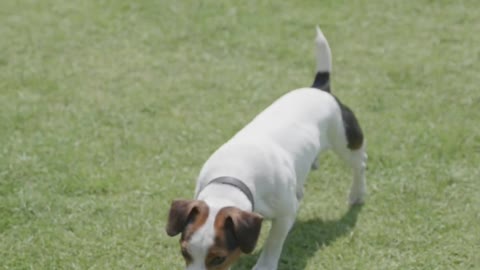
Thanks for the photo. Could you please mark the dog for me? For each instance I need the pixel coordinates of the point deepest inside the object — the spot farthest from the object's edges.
(261, 171)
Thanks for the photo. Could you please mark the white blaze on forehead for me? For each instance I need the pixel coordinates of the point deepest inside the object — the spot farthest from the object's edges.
(201, 241)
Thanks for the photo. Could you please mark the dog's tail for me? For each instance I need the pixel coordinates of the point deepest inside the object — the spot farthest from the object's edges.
(324, 62)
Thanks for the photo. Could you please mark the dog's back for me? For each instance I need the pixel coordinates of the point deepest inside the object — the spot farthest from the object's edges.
(278, 147)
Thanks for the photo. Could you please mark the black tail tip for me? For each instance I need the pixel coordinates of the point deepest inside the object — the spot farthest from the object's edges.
(322, 81)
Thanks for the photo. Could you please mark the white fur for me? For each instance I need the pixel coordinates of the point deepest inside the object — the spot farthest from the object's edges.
(323, 52)
(273, 155)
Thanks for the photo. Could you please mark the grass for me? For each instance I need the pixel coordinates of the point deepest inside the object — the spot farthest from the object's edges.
(109, 108)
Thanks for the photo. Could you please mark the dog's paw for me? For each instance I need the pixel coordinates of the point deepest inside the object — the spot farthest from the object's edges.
(353, 202)
(356, 198)
(263, 268)
(271, 266)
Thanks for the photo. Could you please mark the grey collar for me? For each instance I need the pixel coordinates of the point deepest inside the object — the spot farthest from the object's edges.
(227, 180)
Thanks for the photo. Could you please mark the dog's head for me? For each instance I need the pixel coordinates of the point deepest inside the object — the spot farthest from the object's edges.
(212, 238)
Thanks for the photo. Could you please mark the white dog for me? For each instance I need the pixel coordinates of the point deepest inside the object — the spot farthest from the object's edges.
(261, 172)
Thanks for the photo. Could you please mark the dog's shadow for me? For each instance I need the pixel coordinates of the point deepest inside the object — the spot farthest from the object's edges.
(306, 238)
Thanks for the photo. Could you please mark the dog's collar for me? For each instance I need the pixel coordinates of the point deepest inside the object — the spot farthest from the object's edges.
(227, 180)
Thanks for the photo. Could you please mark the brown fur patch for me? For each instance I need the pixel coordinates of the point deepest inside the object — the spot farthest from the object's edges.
(231, 257)
(231, 236)
(183, 213)
(186, 216)
(236, 231)
(197, 221)
(223, 246)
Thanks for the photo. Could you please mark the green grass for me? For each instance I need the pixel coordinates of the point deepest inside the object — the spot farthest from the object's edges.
(109, 108)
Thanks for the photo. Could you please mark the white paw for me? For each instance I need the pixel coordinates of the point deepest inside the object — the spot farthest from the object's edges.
(356, 198)
(265, 267)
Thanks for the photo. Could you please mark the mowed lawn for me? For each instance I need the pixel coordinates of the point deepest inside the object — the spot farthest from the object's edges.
(108, 109)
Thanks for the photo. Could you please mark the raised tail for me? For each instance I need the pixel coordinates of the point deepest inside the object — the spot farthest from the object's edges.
(324, 62)
(353, 131)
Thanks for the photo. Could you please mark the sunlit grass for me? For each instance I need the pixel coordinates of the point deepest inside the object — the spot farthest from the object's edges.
(109, 108)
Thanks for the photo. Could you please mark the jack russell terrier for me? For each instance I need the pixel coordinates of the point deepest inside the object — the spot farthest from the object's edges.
(261, 171)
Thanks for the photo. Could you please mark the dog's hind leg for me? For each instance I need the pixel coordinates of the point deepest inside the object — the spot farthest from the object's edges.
(357, 160)
(350, 146)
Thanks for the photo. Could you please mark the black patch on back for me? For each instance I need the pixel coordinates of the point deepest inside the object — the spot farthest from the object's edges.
(353, 131)
(322, 81)
(352, 127)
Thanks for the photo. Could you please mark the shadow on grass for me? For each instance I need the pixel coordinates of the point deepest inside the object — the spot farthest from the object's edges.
(306, 238)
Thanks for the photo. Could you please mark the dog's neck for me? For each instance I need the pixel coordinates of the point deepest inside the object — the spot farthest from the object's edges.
(220, 195)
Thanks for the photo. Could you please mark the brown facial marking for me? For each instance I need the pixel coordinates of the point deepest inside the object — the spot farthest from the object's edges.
(230, 258)
(185, 254)
(186, 217)
(236, 232)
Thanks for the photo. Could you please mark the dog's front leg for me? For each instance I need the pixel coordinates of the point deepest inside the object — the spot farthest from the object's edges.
(273, 245)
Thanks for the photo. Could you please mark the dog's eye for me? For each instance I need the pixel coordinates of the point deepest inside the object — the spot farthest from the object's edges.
(217, 260)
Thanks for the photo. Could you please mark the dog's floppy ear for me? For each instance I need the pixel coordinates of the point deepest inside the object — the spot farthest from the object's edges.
(182, 213)
(245, 227)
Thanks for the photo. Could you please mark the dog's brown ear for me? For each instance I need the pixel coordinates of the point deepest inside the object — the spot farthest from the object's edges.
(244, 225)
(182, 213)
